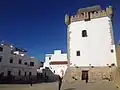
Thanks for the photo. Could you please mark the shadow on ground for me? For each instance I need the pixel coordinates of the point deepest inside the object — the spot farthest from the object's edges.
(70, 89)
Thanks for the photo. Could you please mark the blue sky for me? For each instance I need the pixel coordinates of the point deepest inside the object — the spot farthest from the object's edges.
(38, 25)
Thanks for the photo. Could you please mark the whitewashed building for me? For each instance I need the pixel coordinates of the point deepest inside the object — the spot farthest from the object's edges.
(56, 61)
(90, 37)
(91, 47)
(14, 61)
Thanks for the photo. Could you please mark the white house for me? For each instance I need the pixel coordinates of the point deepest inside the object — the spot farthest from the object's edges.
(56, 61)
(14, 61)
(90, 37)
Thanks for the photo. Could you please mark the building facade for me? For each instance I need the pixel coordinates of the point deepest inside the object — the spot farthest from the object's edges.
(91, 48)
(14, 61)
(56, 62)
(90, 37)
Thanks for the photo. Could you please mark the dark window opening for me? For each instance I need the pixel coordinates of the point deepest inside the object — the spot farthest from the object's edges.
(30, 73)
(49, 58)
(76, 66)
(78, 53)
(92, 66)
(19, 73)
(31, 63)
(112, 50)
(84, 33)
(46, 67)
(88, 18)
(92, 12)
(25, 63)
(20, 61)
(25, 73)
(9, 73)
(2, 74)
(112, 64)
(1, 48)
(12, 52)
(1, 58)
(11, 60)
(82, 15)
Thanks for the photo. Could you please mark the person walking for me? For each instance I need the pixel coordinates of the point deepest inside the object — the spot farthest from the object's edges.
(60, 77)
(30, 80)
(86, 78)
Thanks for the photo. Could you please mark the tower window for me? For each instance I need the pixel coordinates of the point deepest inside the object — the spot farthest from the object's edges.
(49, 58)
(112, 50)
(78, 53)
(84, 33)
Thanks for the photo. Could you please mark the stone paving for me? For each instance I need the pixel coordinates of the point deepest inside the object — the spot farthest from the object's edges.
(104, 85)
(81, 85)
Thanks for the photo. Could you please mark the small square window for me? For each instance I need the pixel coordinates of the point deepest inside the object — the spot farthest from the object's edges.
(20, 61)
(25, 63)
(31, 63)
(30, 73)
(84, 33)
(19, 73)
(78, 53)
(1, 49)
(1, 58)
(25, 73)
(112, 50)
(9, 73)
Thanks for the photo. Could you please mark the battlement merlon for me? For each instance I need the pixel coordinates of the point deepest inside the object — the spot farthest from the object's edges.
(89, 13)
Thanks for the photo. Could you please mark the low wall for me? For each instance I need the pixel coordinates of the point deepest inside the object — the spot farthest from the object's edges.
(95, 74)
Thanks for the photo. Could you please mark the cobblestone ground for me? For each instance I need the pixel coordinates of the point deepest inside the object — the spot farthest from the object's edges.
(105, 85)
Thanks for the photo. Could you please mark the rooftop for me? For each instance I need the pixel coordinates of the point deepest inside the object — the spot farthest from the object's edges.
(88, 9)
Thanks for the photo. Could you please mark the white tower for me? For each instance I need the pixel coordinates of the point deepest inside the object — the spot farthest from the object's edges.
(90, 37)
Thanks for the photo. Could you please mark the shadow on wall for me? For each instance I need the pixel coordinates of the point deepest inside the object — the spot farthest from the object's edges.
(46, 76)
(49, 76)
(10, 79)
(116, 76)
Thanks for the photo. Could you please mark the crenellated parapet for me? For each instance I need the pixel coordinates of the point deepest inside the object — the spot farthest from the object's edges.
(89, 13)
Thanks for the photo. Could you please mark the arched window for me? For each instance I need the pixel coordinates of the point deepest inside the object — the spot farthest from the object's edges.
(84, 33)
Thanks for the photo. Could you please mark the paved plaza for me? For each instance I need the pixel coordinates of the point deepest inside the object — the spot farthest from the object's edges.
(104, 85)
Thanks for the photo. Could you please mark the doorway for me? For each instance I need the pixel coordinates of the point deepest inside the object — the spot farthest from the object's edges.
(84, 74)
